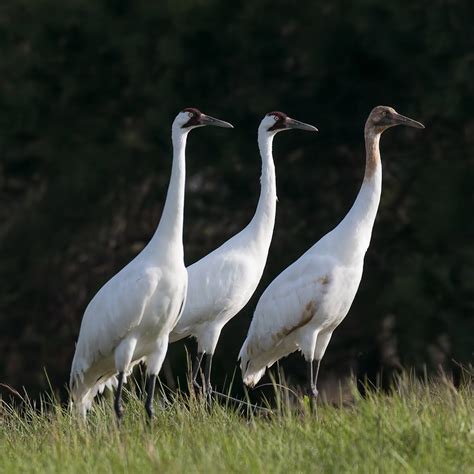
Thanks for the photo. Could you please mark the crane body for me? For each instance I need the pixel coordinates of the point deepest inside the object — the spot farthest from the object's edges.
(221, 283)
(303, 305)
(129, 319)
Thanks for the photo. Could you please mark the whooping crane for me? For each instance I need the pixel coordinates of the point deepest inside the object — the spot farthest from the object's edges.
(305, 303)
(131, 316)
(221, 283)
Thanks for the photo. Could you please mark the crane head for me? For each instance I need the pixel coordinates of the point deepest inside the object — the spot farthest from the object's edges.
(277, 121)
(383, 117)
(191, 117)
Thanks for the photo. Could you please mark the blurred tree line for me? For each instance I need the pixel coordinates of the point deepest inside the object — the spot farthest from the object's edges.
(88, 91)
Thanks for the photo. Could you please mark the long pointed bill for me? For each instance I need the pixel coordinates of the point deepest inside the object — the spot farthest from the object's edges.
(207, 120)
(292, 123)
(402, 120)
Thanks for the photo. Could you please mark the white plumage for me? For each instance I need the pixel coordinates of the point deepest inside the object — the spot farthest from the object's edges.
(221, 283)
(305, 303)
(131, 316)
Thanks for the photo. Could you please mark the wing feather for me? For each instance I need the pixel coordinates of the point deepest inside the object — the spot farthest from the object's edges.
(115, 310)
(290, 302)
(217, 284)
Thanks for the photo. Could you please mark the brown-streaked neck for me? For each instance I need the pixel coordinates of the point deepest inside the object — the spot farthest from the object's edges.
(372, 151)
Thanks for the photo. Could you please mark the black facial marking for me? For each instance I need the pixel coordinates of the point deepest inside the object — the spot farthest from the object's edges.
(195, 119)
(280, 123)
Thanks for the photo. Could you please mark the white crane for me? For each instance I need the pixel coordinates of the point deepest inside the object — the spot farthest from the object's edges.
(305, 303)
(131, 316)
(221, 283)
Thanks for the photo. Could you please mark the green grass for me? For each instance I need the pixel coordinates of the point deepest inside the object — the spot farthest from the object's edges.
(418, 427)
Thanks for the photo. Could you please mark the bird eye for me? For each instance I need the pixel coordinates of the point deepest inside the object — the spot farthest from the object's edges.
(276, 118)
(190, 114)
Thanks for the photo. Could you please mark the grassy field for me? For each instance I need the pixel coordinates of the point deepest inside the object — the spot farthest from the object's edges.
(418, 427)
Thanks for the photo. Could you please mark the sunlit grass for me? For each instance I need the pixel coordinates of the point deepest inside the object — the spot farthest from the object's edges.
(417, 427)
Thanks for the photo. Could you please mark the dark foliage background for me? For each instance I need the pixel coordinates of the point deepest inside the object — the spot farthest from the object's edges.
(88, 91)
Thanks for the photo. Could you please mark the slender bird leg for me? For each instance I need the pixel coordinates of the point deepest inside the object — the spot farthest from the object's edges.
(313, 371)
(316, 364)
(197, 365)
(150, 390)
(118, 398)
(207, 378)
(311, 390)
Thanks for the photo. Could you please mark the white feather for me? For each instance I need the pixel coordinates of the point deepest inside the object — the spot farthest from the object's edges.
(301, 308)
(130, 317)
(305, 303)
(222, 283)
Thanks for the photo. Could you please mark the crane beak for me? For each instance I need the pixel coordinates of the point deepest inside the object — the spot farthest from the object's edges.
(399, 119)
(292, 123)
(207, 120)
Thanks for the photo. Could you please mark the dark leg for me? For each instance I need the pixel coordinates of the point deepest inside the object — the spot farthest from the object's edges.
(309, 378)
(312, 390)
(316, 364)
(197, 366)
(207, 377)
(118, 397)
(150, 390)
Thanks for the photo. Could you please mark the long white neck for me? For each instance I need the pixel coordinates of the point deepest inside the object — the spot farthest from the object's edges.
(168, 238)
(262, 223)
(355, 230)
